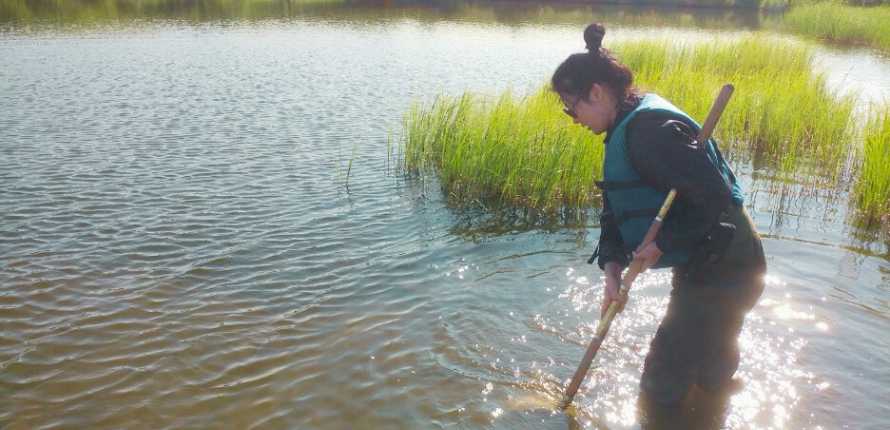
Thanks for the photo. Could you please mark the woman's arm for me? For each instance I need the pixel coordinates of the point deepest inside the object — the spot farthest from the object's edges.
(612, 259)
(610, 247)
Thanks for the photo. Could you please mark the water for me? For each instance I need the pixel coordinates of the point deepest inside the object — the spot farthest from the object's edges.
(179, 248)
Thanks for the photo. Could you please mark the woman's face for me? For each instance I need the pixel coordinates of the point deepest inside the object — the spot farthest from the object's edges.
(596, 112)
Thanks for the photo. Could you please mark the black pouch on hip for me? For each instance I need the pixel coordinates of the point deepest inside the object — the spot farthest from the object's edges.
(716, 243)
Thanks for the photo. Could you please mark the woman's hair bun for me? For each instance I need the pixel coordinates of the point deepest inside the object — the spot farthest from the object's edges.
(593, 36)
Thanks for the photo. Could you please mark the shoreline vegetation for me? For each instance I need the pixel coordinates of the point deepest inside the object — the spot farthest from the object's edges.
(525, 157)
(840, 23)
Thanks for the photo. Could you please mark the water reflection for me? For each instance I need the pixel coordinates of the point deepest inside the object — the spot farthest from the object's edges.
(768, 374)
(774, 379)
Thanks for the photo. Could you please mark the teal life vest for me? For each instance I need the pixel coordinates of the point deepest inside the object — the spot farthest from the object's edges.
(635, 204)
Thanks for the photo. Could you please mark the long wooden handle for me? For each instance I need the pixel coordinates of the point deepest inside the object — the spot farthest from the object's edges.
(636, 266)
(714, 114)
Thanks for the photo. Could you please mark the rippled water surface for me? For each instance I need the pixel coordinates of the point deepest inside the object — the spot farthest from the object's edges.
(179, 247)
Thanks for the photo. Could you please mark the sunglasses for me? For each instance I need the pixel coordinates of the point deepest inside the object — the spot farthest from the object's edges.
(570, 111)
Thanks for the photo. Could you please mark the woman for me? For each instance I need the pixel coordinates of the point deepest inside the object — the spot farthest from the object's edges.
(707, 238)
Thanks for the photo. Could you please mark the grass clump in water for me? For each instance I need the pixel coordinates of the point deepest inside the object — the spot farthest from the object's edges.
(781, 110)
(873, 185)
(524, 152)
(509, 153)
(837, 22)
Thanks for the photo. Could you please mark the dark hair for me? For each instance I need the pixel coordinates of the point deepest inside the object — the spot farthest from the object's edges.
(577, 74)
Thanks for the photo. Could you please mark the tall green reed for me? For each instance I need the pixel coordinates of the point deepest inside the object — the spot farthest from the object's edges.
(873, 185)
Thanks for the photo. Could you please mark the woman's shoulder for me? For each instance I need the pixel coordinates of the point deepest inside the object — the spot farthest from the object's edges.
(659, 125)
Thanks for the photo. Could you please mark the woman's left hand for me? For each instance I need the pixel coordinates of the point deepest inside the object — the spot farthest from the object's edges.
(649, 254)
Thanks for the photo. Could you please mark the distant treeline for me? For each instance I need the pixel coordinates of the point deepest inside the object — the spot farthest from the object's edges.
(75, 10)
(747, 4)
(78, 10)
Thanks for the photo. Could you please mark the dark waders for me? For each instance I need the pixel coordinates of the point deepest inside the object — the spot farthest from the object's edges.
(695, 349)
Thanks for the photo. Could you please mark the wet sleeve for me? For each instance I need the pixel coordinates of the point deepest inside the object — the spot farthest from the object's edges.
(663, 153)
(610, 247)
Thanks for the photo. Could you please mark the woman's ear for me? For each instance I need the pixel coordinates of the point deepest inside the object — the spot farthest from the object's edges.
(599, 93)
(596, 93)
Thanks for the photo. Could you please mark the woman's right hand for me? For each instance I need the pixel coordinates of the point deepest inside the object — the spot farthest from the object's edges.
(612, 290)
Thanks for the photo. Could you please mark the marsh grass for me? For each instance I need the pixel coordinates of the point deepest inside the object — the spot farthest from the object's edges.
(781, 110)
(524, 153)
(873, 185)
(513, 152)
(837, 22)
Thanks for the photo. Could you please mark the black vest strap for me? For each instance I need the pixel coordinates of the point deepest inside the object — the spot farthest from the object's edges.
(635, 213)
(619, 185)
